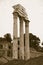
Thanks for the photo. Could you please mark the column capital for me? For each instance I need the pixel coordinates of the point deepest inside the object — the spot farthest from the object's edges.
(15, 14)
(21, 19)
(26, 23)
(26, 20)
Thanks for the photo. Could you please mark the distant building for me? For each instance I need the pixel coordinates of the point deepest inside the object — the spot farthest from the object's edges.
(5, 48)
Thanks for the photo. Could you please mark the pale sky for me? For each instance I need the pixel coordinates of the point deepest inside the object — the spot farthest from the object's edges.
(34, 9)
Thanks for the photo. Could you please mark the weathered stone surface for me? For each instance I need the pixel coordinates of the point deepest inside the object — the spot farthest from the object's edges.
(27, 50)
(21, 11)
(15, 40)
(24, 52)
(21, 52)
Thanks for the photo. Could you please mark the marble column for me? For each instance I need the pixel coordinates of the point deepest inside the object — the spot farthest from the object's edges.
(21, 51)
(15, 40)
(27, 50)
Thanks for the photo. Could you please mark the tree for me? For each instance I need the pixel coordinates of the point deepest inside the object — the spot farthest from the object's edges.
(8, 37)
(42, 43)
(34, 40)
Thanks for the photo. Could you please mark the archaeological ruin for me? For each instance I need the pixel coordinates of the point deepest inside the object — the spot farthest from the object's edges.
(17, 50)
(24, 51)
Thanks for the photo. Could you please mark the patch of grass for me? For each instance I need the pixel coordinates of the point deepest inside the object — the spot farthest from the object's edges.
(15, 62)
(1, 63)
(35, 61)
(32, 61)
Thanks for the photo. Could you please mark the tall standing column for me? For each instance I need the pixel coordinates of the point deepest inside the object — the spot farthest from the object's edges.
(27, 50)
(21, 51)
(15, 40)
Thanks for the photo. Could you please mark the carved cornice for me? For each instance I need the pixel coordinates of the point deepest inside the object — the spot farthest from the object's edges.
(20, 10)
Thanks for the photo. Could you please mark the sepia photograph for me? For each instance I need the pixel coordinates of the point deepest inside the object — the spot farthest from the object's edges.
(21, 34)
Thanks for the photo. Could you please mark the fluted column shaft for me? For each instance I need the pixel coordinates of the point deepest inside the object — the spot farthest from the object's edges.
(27, 50)
(15, 40)
(21, 51)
